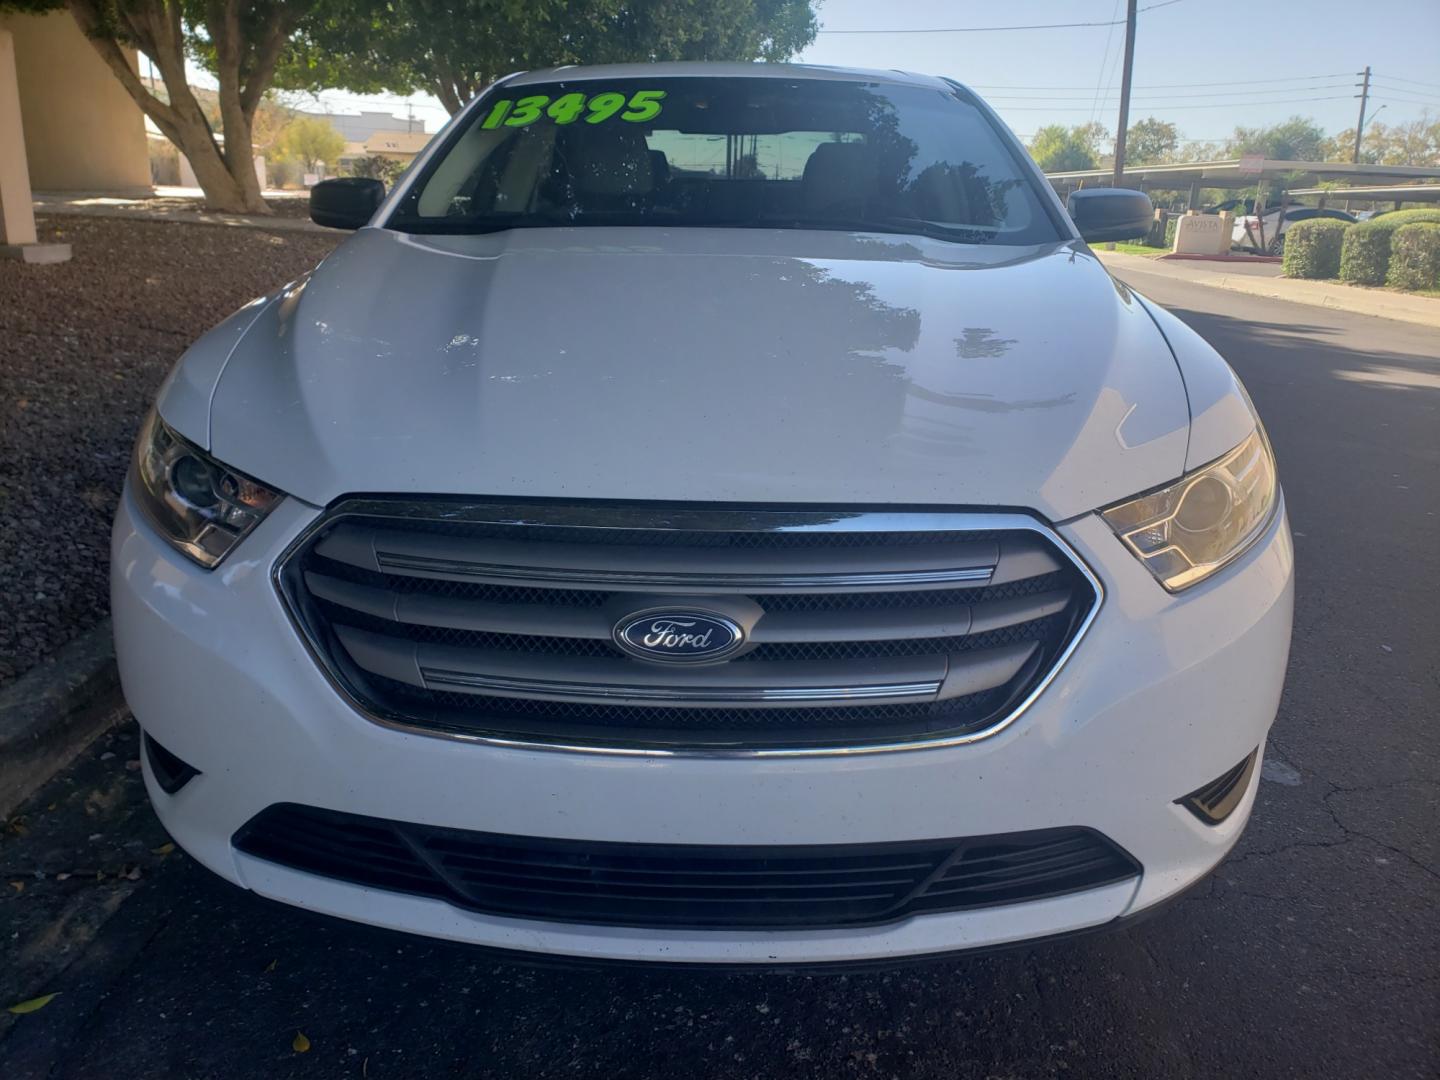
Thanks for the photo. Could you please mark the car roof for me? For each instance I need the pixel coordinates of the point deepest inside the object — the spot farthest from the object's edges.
(684, 69)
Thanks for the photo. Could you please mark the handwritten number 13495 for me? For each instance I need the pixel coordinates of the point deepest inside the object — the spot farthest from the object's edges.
(643, 105)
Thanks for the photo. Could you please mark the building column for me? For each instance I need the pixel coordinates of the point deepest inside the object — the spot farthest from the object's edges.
(17, 211)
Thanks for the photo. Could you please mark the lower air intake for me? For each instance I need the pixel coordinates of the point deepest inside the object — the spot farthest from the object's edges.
(697, 886)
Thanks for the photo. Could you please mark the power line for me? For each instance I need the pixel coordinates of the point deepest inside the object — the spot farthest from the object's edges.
(1173, 97)
(1417, 82)
(993, 29)
(1175, 86)
(1104, 57)
(1408, 101)
(1418, 94)
(1162, 107)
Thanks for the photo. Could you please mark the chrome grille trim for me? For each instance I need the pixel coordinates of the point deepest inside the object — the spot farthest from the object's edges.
(617, 519)
(709, 582)
(677, 695)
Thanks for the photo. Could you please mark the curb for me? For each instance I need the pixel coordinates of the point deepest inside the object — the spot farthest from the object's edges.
(55, 710)
(1270, 260)
(1377, 303)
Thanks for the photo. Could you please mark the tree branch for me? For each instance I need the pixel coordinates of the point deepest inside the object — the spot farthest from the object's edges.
(162, 112)
(266, 57)
(443, 83)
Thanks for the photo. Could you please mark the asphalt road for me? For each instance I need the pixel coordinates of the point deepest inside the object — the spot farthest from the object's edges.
(1314, 951)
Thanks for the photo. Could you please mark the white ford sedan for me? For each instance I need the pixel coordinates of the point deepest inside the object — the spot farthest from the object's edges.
(711, 514)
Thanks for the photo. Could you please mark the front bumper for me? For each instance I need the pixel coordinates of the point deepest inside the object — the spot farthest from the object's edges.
(1163, 694)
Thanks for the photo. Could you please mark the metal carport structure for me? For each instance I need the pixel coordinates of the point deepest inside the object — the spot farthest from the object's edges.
(1238, 173)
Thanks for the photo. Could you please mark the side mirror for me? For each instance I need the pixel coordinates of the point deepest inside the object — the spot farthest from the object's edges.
(347, 203)
(1110, 213)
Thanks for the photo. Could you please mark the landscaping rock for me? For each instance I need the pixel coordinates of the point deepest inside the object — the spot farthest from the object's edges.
(83, 347)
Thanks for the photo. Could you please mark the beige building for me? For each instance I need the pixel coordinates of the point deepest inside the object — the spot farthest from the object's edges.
(397, 146)
(82, 130)
(66, 124)
(401, 146)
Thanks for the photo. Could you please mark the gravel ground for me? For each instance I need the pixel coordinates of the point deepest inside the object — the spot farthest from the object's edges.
(83, 347)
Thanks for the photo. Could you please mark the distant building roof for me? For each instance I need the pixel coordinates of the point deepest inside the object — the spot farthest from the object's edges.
(357, 127)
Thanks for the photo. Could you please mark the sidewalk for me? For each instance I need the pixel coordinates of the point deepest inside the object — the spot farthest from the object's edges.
(1423, 310)
(182, 208)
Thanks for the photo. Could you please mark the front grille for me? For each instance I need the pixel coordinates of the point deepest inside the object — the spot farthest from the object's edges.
(709, 887)
(497, 621)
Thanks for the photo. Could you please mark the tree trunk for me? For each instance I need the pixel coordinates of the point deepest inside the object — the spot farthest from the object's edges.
(454, 88)
(213, 173)
(237, 111)
(154, 26)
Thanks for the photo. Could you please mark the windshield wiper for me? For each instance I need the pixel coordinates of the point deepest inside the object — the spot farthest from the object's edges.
(473, 226)
(787, 221)
(895, 225)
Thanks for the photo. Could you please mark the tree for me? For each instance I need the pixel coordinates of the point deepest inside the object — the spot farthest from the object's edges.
(376, 167)
(312, 142)
(1057, 148)
(1200, 151)
(454, 50)
(271, 119)
(1413, 143)
(242, 41)
(1297, 139)
(1151, 142)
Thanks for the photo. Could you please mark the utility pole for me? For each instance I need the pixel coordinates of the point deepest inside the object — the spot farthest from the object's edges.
(1125, 91)
(1364, 97)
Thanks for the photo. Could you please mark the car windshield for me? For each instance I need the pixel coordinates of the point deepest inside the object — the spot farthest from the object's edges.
(730, 153)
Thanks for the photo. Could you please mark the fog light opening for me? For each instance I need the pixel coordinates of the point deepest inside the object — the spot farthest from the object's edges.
(1217, 800)
(170, 772)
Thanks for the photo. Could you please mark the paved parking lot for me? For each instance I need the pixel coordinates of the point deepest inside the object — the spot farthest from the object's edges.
(1314, 951)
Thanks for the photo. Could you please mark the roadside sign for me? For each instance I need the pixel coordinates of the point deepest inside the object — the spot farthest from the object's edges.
(1252, 164)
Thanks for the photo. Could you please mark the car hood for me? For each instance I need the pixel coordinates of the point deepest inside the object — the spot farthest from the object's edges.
(755, 366)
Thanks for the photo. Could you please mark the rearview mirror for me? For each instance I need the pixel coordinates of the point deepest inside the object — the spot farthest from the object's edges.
(347, 203)
(1110, 213)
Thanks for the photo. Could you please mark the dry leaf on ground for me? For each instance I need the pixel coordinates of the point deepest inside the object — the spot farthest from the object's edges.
(33, 1005)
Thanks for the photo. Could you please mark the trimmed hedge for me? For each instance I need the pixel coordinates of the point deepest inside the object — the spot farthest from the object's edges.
(1312, 248)
(1365, 256)
(1415, 256)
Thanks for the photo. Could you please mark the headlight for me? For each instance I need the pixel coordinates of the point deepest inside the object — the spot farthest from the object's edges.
(201, 507)
(1189, 530)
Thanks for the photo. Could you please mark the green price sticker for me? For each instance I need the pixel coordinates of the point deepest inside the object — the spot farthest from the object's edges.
(643, 105)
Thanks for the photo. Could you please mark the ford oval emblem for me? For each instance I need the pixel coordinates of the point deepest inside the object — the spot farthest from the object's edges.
(678, 637)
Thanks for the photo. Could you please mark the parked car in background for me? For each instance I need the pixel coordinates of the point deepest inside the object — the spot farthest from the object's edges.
(1250, 236)
(711, 513)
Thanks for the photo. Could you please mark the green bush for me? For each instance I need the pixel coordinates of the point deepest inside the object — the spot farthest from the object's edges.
(1365, 257)
(1415, 256)
(1312, 248)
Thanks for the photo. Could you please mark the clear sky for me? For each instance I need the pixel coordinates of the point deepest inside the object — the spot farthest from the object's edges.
(1262, 61)
(1206, 65)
